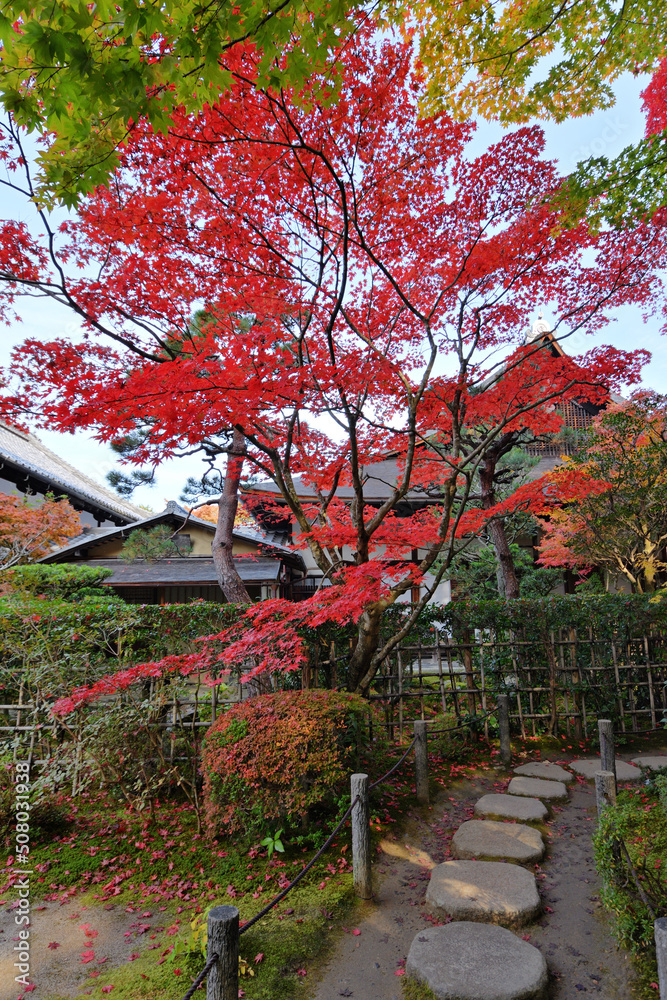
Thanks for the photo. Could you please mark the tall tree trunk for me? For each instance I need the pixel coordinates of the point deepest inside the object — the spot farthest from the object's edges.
(230, 582)
(497, 530)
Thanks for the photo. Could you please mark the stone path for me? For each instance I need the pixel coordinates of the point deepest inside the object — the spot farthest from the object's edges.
(572, 933)
(477, 961)
(487, 840)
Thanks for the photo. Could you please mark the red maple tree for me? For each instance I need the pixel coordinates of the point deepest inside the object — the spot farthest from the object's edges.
(30, 528)
(365, 286)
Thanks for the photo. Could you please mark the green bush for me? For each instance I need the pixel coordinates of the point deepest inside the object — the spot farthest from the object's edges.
(640, 823)
(278, 757)
(61, 582)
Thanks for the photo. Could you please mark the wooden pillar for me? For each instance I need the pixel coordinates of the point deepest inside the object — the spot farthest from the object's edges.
(223, 941)
(504, 729)
(421, 762)
(660, 934)
(607, 753)
(361, 837)
(605, 790)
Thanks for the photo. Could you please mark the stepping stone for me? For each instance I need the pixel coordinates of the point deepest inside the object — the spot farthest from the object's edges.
(589, 765)
(653, 762)
(498, 805)
(490, 891)
(543, 769)
(486, 840)
(537, 788)
(468, 961)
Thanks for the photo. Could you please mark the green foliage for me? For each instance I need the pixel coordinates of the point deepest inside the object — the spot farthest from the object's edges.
(515, 61)
(476, 578)
(272, 843)
(83, 72)
(640, 822)
(52, 647)
(295, 755)
(66, 582)
(152, 544)
(126, 483)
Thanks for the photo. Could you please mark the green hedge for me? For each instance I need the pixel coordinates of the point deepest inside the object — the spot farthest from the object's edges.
(58, 645)
(54, 646)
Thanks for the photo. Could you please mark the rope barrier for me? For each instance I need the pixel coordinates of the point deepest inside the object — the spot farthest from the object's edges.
(201, 977)
(394, 768)
(281, 895)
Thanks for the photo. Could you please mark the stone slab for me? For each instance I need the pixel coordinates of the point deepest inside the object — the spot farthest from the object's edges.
(488, 840)
(537, 788)
(589, 765)
(492, 891)
(544, 769)
(467, 961)
(499, 805)
(655, 762)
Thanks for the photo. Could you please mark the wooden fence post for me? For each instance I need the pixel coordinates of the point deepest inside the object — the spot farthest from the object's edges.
(607, 753)
(421, 762)
(605, 790)
(660, 934)
(361, 837)
(504, 728)
(223, 941)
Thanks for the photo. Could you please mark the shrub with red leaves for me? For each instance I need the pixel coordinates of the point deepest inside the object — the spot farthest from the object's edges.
(279, 756)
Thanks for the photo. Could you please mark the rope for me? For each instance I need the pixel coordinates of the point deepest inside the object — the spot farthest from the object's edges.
(281, 895)
(394, 768)
(201, 977)
(327, 843)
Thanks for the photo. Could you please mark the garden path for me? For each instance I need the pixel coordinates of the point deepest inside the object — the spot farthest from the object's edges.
(573, 933)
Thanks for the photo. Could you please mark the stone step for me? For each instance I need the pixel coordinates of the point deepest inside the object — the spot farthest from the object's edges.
(468, 961)
(589, 765)
(655, 762)
(537, 788)
(492, 891)
(544, 769)
(488, 840)
(499, 805)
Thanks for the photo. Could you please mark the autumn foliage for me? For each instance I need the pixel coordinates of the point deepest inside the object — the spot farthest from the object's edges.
(278, 756)
(31, 528)
(619, 522)
(367, 286)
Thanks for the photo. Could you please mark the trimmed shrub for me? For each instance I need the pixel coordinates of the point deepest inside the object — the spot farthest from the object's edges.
(60, 583)
(278, 756)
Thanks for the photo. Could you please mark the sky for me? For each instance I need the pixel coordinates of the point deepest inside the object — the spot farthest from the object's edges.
(604, 133)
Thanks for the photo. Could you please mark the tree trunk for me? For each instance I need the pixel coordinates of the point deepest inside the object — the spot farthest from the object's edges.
(360, 670)
(230, 582)
(505, 562)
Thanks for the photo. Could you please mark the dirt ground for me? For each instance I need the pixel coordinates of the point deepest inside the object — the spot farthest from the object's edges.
(60, 970)
(573, 933)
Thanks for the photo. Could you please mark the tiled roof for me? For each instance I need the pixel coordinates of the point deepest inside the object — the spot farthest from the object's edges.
(380, 479)
(191, 571)
(26, 461)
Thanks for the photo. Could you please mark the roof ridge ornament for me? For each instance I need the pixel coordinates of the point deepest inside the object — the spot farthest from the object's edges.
(538, 329)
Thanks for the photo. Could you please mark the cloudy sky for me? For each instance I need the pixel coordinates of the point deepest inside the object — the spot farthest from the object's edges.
(605, 133)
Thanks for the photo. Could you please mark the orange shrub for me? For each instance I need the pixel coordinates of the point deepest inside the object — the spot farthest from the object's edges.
(277, 756)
